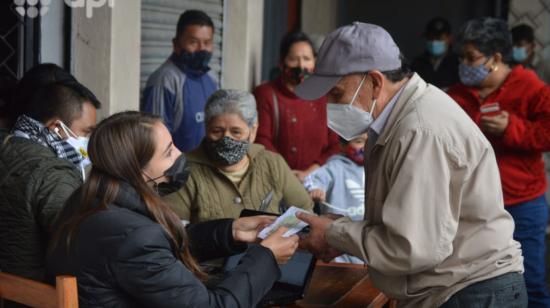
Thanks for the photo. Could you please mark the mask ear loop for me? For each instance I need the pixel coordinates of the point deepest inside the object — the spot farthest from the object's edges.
(155, 184)
(358, 89)
(373, 104)
(67, 130)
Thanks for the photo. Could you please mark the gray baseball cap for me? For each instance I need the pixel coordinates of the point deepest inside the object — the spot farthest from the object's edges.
(356, 48)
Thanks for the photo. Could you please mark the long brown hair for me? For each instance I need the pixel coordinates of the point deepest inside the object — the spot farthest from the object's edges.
(119, 148)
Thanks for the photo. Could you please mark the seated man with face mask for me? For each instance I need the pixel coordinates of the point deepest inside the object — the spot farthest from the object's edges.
(229, 173)
(41, 164)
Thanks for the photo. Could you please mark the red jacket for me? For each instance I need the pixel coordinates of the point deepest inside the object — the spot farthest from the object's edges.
(303, 137)
(519, 150)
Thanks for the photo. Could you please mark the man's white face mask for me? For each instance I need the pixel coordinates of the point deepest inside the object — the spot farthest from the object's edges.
(347, 120)
(80, 144)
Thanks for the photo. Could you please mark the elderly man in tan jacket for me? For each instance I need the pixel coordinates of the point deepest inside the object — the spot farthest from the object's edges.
(435, 231)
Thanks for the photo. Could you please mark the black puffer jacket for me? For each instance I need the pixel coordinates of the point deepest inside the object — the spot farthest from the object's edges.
(34, 186)
(122, 258)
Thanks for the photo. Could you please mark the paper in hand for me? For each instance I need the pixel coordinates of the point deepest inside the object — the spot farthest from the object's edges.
(288, 220)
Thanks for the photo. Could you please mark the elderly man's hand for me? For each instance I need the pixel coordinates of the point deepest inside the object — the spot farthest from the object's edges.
(315, 241)
(495, 125)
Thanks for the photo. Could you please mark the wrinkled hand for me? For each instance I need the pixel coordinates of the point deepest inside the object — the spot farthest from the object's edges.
(283, 248)
(318, 195)
(495, 125)
(246, 229)
(315, 241)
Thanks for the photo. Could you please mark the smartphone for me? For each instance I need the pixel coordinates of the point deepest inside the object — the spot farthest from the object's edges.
(491, 109)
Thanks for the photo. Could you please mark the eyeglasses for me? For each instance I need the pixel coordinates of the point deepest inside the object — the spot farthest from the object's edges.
(470, 59)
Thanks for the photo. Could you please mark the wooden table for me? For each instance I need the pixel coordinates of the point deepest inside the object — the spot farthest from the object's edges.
(342, 285)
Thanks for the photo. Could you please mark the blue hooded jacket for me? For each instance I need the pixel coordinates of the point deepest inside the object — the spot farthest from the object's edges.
(179, 95)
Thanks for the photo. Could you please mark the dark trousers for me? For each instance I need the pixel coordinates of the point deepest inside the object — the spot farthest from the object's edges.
(505, 291)
(531, 219)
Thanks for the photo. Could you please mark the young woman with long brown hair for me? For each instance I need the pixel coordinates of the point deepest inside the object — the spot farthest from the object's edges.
(128, 249)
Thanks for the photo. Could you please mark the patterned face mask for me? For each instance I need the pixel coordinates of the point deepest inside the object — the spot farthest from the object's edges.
(227, 151)
(473, 76)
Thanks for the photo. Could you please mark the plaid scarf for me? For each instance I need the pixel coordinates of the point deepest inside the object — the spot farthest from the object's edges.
(31, 129)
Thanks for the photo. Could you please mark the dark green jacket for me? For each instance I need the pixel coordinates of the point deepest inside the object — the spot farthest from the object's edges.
(34, 185)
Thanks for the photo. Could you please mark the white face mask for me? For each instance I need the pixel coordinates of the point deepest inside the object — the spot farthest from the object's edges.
(347, 120)
(79, 143)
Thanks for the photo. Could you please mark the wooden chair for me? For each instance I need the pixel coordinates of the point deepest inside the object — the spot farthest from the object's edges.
(37, 294)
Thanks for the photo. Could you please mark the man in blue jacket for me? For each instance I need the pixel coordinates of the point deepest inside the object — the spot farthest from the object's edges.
(177, 91)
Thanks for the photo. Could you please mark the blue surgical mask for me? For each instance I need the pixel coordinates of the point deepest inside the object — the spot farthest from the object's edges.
(347, 120)
(472, 76)
(519, 54)
(436, 48)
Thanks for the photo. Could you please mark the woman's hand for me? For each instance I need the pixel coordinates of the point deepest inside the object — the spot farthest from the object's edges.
(496, 125)
(283, 248)
(246, 229)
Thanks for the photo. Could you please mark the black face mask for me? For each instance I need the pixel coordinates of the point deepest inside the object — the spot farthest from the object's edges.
(177, 175)
(197, 61)
(227, 151)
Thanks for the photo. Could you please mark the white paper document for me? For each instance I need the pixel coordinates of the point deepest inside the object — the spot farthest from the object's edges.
(288, 220)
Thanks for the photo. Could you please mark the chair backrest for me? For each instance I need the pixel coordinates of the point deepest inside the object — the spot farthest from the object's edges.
(38, 294)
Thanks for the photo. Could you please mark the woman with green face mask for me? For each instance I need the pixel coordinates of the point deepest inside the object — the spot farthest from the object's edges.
(229, 172)
(293, 127)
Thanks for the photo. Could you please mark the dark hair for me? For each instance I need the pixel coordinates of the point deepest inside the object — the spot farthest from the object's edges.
(290, 39)
(489, 36)
(60, 99)
(522, 32)
(119, 148)
(37, 77)
(401, 73)
(436, 27)
(193, 17)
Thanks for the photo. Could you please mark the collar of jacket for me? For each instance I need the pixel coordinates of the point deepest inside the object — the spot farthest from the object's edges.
(127, 197)
(199, 155)
(414, 88)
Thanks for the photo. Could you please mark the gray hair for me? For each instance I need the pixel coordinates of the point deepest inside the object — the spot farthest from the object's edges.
(489, 36)
(237, 102)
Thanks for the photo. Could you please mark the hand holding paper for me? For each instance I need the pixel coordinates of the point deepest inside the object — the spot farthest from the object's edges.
(287, 220)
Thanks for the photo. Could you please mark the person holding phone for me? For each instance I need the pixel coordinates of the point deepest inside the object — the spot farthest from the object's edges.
(127, 248)
(518, 128)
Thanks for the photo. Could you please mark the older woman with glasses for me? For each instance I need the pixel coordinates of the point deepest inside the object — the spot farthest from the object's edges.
(229, 172)
(511, 105)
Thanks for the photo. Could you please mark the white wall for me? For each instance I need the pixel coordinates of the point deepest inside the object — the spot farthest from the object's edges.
(106, 54)
(319, 18)
(52, 36)
(242, 44)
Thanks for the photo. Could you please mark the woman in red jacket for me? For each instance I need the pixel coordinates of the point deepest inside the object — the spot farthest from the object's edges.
(293, 127)
(512, 108)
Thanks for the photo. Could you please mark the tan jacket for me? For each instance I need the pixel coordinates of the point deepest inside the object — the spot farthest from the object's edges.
(435, 219)
(209, 194)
